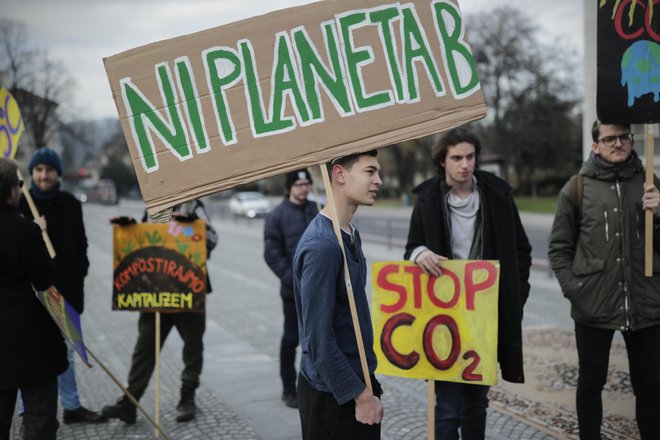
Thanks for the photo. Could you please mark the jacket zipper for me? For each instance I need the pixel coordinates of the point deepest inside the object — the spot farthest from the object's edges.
(626, 290)
(607, 227)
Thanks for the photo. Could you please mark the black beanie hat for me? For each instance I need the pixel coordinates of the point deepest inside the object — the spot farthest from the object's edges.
(292, 176)
(46, 156)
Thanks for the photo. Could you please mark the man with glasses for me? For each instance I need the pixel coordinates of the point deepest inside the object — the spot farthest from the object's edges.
(283, 228)
(597, 254)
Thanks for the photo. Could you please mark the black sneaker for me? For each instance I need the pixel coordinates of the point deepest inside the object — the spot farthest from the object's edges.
(82, 415)
(123, 410)
(185, 410)
(290, 399)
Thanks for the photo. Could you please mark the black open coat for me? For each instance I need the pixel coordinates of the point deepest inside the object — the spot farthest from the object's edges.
(504, 239)
(33, 349)
(66, 230)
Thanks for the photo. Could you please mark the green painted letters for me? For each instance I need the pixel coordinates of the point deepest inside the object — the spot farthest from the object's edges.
(145, 119)
(459, 62)
(223, 69)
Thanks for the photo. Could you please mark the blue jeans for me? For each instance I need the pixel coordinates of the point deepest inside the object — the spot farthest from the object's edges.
(40, 416)
(67, 382)
(460, 406)
(593, 347)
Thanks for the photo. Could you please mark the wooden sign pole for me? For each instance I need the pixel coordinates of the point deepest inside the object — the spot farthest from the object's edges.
(430, 409)
(330, 204)
(648, 218)
(159, 217)
(128, 394)
(35, 214)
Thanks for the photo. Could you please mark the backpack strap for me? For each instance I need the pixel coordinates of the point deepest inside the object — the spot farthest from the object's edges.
(575, 194)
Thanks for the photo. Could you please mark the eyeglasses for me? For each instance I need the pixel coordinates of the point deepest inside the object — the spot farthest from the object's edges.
(610, 141)
(301, 185)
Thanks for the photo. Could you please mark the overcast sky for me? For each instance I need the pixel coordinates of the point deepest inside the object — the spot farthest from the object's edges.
(80, 33)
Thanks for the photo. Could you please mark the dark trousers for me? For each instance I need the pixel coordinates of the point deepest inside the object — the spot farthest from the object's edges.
(460, 406)
(643, 347)
(322, 418)
(191, 328)
(40, 415)
(288, 346)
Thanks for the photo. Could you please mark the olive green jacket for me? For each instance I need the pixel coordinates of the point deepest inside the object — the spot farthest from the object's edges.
(598, 254)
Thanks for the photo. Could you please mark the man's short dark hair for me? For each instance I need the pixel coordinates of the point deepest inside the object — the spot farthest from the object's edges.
(454, 137)
(350, 160)
(8, 178)
(595, 129)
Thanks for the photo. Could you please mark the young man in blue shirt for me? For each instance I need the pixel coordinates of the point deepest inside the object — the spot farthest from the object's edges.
(333, 400)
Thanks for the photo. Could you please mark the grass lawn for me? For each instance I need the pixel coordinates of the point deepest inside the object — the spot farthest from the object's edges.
(543, 205)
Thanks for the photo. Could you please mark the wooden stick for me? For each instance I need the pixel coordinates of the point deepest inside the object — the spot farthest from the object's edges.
(128, 394)
(330, 204)
(157, 355)
(35, 214)
(648, 218)
(430, 410)
(158, 217)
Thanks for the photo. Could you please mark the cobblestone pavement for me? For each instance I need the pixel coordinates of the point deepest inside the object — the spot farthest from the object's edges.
(239, 394)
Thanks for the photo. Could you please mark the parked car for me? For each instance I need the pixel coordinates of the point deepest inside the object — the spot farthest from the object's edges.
(249, 203)
(104, 192)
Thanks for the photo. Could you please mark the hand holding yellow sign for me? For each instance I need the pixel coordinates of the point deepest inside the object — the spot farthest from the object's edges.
(11, 124)
(440, 328)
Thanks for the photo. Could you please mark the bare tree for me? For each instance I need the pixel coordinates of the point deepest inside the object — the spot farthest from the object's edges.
(38, 83)
(531, 93)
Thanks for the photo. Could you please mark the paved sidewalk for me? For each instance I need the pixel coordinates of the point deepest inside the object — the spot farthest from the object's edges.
(239, 395)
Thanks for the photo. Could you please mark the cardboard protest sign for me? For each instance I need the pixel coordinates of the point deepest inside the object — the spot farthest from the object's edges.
(66, 318)
(294, 88)
(160, 267)
(628, 88)
(438, 328)
(11, 124)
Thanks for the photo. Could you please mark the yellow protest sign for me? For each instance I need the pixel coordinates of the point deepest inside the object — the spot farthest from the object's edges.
(439, 328)
(160, 267)
(11, 124)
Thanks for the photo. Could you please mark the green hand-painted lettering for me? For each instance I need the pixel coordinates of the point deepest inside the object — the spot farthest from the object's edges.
(459, 62)
(314, 71)
(355, 59)
(223, 69)
(416, 48)
(145, 119)
(190, 94)
(285, 79)
(382, 18)
(260, 126)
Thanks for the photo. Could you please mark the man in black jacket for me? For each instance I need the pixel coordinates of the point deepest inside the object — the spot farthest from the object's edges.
(32, 346)
(467, 214)
(61, 216)
(283, 228)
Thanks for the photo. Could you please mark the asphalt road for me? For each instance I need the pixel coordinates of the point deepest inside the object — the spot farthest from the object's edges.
(245, 311)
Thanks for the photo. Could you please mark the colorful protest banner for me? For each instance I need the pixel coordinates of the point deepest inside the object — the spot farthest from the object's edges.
(294, 88)
(66, 318)
(160, 267)
(438, 328)
(628, 86)
(11, 124)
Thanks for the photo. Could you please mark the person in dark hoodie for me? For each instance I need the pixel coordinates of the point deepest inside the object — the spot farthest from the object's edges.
(61, 217)
(464, 213)
(33, 349)
(284, 226)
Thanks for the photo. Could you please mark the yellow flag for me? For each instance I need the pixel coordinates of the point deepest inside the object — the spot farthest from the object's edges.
(11, 124)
